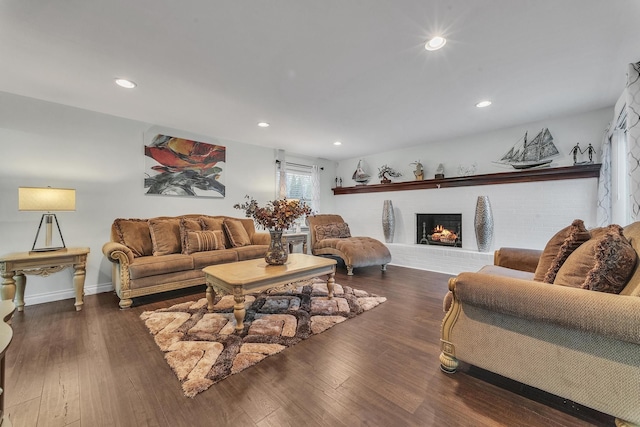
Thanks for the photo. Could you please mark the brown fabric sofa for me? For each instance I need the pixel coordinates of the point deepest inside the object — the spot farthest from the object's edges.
(330, 235)
(166, 253)
(578, 344)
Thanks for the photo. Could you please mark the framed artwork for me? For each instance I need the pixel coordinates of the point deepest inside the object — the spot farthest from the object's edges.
(183, 167)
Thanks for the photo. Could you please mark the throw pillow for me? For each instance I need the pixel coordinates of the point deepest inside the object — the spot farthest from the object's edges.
(165, 236)
(550, 252)
(236, 233)
(200, 241)
(213, 224)
(134, 234)
(602, 264)
(333, 230)
(577, 236)
(187, 225)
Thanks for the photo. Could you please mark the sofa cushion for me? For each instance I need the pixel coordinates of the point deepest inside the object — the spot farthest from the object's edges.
(155, 265)
(186, 225)
(550, 252)
(205, 259)
(212, 223)
(203, 240)
(165, 236)
(236, 233)
(577, 235)
(333, 230)
(251, 252)
(602, 264)
(134, 234)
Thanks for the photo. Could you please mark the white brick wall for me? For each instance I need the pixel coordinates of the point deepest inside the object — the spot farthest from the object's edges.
(525, 215)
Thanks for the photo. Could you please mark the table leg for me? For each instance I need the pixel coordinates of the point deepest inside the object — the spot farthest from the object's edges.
(238, 309)
(330, 282)
(8, 286)
(78, 283)
(211, 297)
(21, 284)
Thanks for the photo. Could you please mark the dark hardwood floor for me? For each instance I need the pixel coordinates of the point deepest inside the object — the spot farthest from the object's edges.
(100, 367)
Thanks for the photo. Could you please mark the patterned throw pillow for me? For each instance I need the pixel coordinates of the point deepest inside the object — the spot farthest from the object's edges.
(602, 264)
(550, 252)
(334, 230)
(577, 235)
(201, 241)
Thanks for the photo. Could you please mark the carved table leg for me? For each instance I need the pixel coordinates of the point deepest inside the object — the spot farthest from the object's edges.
(21, 284)
(211, 297)
(238, 308)
(330, 282)
(8, 286)
(78, 283)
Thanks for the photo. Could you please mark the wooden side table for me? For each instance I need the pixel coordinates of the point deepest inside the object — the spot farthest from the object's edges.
(295, 238)
(15, 266)
(6, 335)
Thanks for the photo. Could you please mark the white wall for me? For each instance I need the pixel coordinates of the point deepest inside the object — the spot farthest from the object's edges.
(525, 215)
(102, 157)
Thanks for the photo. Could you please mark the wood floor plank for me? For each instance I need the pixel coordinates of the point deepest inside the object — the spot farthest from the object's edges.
(378, 369)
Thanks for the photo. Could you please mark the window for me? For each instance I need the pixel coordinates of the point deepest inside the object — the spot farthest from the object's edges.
(300, 182)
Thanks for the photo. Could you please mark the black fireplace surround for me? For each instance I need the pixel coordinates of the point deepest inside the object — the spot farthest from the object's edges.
(426, 225)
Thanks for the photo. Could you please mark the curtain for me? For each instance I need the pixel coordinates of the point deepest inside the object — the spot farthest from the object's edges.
(603, 214)
(315, 185)
(281, 178)
(633, 138)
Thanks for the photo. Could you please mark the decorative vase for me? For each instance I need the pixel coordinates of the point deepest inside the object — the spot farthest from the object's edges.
(277, 253)
(388, 221)
(483, 224)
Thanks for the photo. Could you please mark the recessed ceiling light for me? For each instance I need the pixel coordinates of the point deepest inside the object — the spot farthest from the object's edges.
(127, 84)
(264, 124)
(337, 143)
(435, 43)
(483, 104)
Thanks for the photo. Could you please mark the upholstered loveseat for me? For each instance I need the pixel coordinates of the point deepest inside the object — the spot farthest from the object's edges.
(560, 336)
(330, 235)
(165, 253)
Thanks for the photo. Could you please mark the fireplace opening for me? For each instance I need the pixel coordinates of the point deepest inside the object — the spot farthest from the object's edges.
(439, 229)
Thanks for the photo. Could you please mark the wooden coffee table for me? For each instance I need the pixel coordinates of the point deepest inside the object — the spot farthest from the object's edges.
(252, 276)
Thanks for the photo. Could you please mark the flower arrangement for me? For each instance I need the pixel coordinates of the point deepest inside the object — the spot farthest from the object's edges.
(277, 214)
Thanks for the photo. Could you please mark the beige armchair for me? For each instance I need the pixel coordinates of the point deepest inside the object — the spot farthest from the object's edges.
(330, 235)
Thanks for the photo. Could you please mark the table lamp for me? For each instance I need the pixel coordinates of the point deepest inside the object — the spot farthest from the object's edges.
(47, 199)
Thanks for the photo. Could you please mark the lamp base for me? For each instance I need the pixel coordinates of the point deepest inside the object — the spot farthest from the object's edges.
(48, 219)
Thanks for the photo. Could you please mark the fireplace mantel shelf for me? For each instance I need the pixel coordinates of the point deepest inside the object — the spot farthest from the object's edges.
(527, 175)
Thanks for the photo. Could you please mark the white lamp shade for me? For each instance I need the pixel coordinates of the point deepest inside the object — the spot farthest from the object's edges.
(46, 199)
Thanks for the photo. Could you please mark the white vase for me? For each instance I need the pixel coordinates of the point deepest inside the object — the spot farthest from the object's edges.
(483, 224)
(388, 221)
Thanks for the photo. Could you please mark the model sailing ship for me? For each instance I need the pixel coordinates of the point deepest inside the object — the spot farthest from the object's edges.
(360, 176)
(531, 154)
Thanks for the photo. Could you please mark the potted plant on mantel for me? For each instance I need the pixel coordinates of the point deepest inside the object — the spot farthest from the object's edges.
(276, 216)
(385, 170)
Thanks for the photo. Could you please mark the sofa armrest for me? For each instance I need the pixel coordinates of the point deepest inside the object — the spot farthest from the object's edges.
(610, 315)
(517, 258)
(117, 253)
(261, 238)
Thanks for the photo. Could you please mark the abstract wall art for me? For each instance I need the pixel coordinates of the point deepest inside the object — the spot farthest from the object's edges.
(183, 167)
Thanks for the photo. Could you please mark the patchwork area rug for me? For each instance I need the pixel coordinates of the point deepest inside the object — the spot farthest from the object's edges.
(202, 348)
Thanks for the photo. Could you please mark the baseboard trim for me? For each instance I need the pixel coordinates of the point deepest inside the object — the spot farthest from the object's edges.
(66, 294)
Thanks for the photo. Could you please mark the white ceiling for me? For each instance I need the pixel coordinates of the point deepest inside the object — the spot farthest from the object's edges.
(322, 70)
